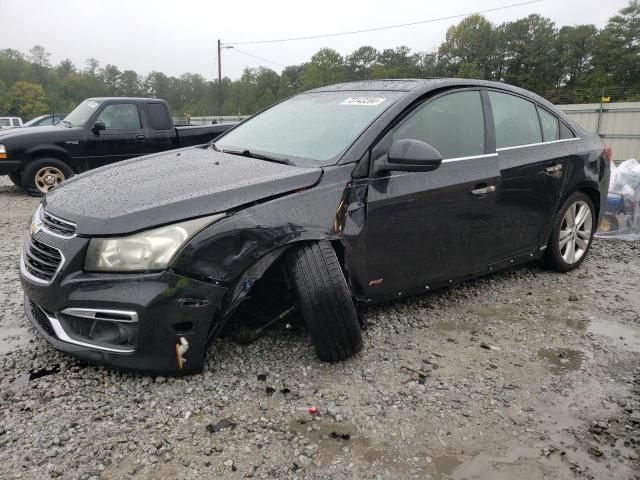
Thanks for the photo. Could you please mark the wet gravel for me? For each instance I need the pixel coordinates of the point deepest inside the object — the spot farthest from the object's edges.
(523, 374)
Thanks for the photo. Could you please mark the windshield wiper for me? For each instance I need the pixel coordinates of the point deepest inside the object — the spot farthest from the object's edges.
(66, 123)
(259, 156)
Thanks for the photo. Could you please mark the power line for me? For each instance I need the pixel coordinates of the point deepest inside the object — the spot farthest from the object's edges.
(255, 56)
(387, 27)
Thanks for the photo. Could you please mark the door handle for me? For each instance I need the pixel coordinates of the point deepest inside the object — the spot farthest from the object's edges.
(483, 190)
(140, 137)
(553, 169)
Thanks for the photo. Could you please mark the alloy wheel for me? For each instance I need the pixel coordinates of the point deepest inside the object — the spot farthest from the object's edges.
(575, 232)
(48, 178)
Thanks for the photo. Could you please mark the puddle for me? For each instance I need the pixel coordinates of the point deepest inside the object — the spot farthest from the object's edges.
(623, 336)
(11, 338)
(332, 437)
(445, 465)
(562, 360)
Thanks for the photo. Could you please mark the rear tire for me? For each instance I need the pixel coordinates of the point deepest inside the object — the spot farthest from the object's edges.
(16, 179)
(325, 301)
(43, 175)
(566, 235)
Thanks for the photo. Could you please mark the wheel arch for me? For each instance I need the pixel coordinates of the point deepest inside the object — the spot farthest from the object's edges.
(52, 151)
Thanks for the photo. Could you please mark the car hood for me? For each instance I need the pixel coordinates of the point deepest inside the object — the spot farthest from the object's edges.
(44, 132)
(165, 188)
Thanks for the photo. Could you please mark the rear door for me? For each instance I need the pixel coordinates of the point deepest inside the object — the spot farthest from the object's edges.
(428, 228)
(123, 138)
(161, 134)
(532, 168)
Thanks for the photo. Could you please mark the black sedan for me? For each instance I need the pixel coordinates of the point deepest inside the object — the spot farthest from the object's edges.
(359, 192)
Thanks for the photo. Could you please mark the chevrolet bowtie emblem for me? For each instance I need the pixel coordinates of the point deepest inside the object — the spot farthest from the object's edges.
(34, 228)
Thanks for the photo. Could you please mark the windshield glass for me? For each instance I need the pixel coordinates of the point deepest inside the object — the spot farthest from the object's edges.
(5, 122)
(82, 113)
(311, 128)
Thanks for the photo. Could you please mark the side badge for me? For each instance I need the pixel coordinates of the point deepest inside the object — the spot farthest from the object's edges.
(376, 282)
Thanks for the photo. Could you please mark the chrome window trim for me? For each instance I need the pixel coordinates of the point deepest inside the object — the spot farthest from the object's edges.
(90, 313)
(63, 336)
(502, 149)
(472, 157)
(33, 278)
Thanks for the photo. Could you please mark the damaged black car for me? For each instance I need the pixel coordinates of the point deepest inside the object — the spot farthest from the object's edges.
(354, 193)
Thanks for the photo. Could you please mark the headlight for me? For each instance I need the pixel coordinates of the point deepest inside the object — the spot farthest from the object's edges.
(150, 250)
(3, 151)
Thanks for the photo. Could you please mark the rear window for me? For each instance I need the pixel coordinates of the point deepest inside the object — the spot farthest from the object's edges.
(515, 119)
(158, 115)
(550, 126)
(565, 131)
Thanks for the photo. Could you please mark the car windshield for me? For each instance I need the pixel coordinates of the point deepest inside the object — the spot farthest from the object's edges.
(5, 122)
(310, 129)
(82, 113)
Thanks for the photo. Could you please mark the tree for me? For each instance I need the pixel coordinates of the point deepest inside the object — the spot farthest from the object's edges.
(111, 77)
(360, 61)
(91, 67)
(395, 63)
(5, 99)
(285, 89)
(27, 99)
(325, 68)
(471, 46)
(65, 68)
(39, 56)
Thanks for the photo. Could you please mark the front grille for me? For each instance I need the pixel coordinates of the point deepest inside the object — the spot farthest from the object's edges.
(57, 225)
(41, 260)
(41, 318)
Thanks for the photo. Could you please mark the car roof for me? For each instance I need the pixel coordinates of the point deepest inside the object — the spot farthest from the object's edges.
(416, 87)
(130, 99)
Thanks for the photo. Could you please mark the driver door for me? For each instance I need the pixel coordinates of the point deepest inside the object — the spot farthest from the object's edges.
(428, 228)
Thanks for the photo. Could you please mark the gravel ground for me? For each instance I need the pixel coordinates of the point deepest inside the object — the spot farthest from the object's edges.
(523, 374)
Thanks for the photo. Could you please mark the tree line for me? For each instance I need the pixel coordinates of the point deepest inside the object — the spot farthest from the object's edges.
(570, 64)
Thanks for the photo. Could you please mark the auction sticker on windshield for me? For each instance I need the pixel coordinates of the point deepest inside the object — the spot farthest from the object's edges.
(93, 104)
(366, 101)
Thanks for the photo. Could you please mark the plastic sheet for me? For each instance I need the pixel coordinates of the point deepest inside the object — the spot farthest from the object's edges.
(622, 217)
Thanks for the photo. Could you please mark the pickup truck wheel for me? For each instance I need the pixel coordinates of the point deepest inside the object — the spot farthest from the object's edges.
(325, 301)
(43, 175)
(16, 178)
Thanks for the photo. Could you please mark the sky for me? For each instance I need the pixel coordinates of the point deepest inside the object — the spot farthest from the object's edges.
(178, 36)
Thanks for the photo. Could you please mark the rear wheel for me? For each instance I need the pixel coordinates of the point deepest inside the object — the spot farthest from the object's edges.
(43, 175)
(325, 301)
(16, 178)
(572, 233)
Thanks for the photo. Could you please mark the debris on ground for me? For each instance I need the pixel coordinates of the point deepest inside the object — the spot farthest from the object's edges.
(220, 425)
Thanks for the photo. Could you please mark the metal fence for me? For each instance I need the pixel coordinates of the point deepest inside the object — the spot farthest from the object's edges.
(618, 124)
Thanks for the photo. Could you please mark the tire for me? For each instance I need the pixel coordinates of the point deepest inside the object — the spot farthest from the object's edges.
(325, 301)
(16, 179)
(558, 257)
(44, 174)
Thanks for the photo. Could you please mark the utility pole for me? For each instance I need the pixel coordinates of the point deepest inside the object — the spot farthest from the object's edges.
(219, 79)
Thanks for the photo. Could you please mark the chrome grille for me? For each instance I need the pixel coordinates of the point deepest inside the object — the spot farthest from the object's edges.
(58, 226)
(40, 260)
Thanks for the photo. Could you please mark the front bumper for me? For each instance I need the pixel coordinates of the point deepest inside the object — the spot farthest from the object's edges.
(169, 311)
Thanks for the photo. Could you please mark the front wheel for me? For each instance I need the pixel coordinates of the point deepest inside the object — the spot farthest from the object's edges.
(572, 233)
(43, 175)
(325, 301)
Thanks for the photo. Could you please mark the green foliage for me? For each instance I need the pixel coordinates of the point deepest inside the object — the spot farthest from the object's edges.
(27, 99)
(567, 64)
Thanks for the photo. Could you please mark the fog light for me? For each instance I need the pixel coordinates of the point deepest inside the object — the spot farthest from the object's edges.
(113, 333)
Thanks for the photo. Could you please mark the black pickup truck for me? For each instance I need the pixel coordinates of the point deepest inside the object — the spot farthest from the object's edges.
(97, 132)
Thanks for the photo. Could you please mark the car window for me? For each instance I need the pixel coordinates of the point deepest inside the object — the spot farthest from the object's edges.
(46, 121)
(453, 124)
(121, 116)
(565, 131)
(158, 115)
(515, 119)
(550, 126)
(16, 122)
(5, 122)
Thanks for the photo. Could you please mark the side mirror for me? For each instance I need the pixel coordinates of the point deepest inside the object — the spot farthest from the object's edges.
(411, 156)
(99, 125)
